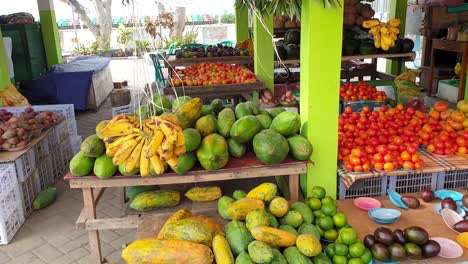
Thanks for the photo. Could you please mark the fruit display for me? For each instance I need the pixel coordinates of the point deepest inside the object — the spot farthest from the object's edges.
(413, 242)
(288, 99)
(267, 99)
(208, 73)
(17, 132)
(288, 48)
(217, 50)
(361, 91)
(356, 12)
(384, 34)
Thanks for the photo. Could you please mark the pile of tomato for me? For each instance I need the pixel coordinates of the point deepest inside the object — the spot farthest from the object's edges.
(361, 91)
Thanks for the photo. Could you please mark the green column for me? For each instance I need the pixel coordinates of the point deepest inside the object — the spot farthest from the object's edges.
(50, 32)
(4, 73)
(263, 51)
(242, 24)
(397, 10)
(321, 38)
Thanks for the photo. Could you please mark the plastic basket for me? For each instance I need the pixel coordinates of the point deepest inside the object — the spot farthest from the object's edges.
(413, 182)
(370, 187)
(62, 132)
(10, 225)
(52, 138)
(65, 110)
(453, 179)
(125, 109)
(43, 176)
(41, 150)
(10, 201)
(71, 127)
(28, 193)
(75, 144)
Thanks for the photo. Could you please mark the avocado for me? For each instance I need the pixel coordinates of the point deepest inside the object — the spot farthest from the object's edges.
(461, 226)
(369, 241)
(416, 235)
(350, 47)
(380, 252)
(407, 45)
(410, 201)
(413, 251)
(396, 251)
(281, 52)
(293, 51)
(396, 48)
(366, 48)
(207, 110)
(399, 236)
(384, 235)
(430, 249)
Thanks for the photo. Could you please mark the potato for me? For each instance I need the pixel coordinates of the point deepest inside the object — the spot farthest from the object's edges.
(9, 133)
(289, 93)
(268, 94)
(20, 131)
(6, 145)
(22, 143)
(13, 140)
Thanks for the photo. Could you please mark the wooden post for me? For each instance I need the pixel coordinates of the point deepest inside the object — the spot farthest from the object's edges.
(242, 24)
(4, 73)
(321, 39)
(50, 32)
(397, 10)
(94, 242)
(263, 47)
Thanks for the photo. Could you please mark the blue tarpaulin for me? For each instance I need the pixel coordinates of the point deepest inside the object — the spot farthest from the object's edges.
(67, 83)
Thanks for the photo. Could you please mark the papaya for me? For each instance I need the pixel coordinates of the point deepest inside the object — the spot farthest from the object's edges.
(278, 258)
(104, 168)
(244, 258)
(217, 105)
(321, 259)
(273, 221)
(253, 106)
(292, 218)
(270, 147)
(192, 139)
(304, 210)
(308, 245)
(81, 165)
(203, 194)
(241, 110)
(188, 112)
(311, 229)
(236, 150)
(133, 191)
(264, 112)
(305, 129)
(273, 236)
(99, 128)
(265, 191)
(287, 123)
(223, 204)
(278, 206)
(260, 252)
(180, 101)
(161, 102)
(93, 147)
(146, 201)
(179, 215)
(213, 152)
(293, 256)
(45, 198)
(238, 236)
(289, 229)
(238, 194)
(245, 128)
(300, 147)
(186, 162)
(276, 111)
(257, 217)
(226, 119)
(152, 250)
(221, 250)
(199, 229)
(207, 110)
(265, 121)
(206, 125)
(240, 208)
(230, 106)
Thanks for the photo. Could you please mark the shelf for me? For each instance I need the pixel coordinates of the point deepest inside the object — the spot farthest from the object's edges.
(408, 56)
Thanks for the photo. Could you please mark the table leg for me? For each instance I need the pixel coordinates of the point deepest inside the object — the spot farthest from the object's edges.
(294, 187)
(431, 73)
(461, 87)
(94, 242)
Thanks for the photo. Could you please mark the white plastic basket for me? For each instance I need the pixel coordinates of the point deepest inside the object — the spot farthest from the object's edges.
(43, 176)
(72, 129)
(453, 179)
(10, 225)
(41, 149)
(75, 144)
(52, 138)
(28, 193)
(371, 187)
(8, 179)
(125, 109)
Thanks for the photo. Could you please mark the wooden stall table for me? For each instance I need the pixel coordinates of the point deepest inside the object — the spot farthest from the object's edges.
(237, 169)
(425, 217)
(172, 61)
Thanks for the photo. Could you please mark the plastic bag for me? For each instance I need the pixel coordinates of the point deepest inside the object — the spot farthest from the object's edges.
(406, 89)
(11, 97)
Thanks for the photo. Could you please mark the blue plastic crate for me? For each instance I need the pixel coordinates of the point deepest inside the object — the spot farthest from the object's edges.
(370, 187)
(453, 179)
(358, 105)
(413, 182)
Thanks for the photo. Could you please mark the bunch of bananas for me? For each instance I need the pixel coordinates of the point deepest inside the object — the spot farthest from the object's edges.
(155, 141)
(385, 34)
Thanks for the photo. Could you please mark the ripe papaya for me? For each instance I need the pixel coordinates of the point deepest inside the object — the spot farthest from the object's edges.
(273, 236)
(240, 208)
(133, 191)
(206, 125)
(221, 250)
(213, 152)
(287, 123)
(265, 191)
(270, 147)
(199, 229)
(203, 194)
(257, 217)
(146, 201)
(289, 229)
(308, 245)
(179, 215)
(260, 252)
(226, 119)
(245, 128)
(187, 110)
(238, 236)
(300, 147)
(223, 204)
(278, 206)
(152, 250)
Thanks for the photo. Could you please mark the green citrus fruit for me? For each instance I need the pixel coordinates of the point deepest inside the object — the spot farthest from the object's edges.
(356, 261)
(330, 250)
(367, 256)
(325, 223)
(357, 249)
(328, 199)
(348, 236)
(341, 249)
(340, 220)
(330, 235)
(318, 192)
(340, 259)
(320, 231)
(313, 203)
(328, 209)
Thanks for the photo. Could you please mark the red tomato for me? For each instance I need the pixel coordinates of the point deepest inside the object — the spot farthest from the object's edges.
(418, 165)
(388, 166)
(378, 166)
(405, 156)
(388, 158)
(415, 157)
(382, 149)
(354, 160)
(358, 168)
(412, 149)
(461, 142)
(408, 165)
(366, 167)
(378, 157)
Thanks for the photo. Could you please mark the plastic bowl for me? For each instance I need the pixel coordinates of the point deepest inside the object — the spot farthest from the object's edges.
(448, 248)
(451, 218)
(384, 214)
(366, 203)
(442, 194)
(460, 211)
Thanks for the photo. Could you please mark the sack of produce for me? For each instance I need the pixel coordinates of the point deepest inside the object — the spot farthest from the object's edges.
(405, 87)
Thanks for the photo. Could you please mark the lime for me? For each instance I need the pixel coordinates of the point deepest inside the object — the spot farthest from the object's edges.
(320, 231)
(348, 236)
(367, 256)
(340, 220)
(356, 261)
(313, 203)
(330, 250)
(328, 209)
(340, 260)
(318, 213)
(318, 192)
(328, 199)
(325, 223)
(338, 240)
(357, 249)
(341, 249)
(330, 235)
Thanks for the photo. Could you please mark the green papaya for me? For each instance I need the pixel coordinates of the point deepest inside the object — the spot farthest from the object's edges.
(253, 106)
(264, 112)
(81, 165)
(133, 191)
(289, 229)
(286, 123)
(239, 194)
(242, 109)
(223, 204)
(206, 125)
(236, 149)
(213, 152)
(311, 229)
(207, 110)
(146, 201)
(257, 217)
(45, 198)
(265, 121)
(192, 139)
(217, 105)
(270, 147)
(244, 258)
(293, 256)
(245, 128)
(276, 111)
(260, 252)
(304, 210)
(93, 146)
(226, 119)
(103, 167)
(238, 236)
(300, 147)
(186, 163)
(278, 258)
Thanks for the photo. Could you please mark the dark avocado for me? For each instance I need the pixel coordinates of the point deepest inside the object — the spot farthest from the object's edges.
(396, 48)
(410, 201)
(430, 249)
(369, 241)
(384, 235)
(461, 226)
(413, 251)
(396, 251)
(416, 235)
(399, 236)
(379, 252)
(407, 45)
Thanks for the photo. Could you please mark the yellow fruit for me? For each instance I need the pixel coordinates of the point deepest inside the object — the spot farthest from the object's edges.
(308, 245)
(124, 152)
(144, 165)
(119, 128)
(394, 22)
(370, 23)
(279, 206)
(134, 159)
(154, 144)
(222, 251)
(158, 164)
(112, 148)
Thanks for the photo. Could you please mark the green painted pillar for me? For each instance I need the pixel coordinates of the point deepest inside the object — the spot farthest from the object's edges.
(242, 24)
(50, 32)
(4, 73)
(397, 10)
(263, 51)
(321, 38)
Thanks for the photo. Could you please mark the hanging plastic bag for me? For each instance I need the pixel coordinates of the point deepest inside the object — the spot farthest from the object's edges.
(406, 89)
(11, 97)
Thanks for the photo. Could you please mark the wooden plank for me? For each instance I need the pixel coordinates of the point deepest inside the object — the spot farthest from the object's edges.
(408, 56)
(223, 89)
(174, 62)
(294, 187)
(94, 241)
(97, 193)
(129, 222)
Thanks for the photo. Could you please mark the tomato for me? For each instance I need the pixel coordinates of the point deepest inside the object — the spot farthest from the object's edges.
(388, 158)
(366, 167)
(370, 150)
(378, 157)
(393, 147)
(418, 165)
(408, 165)
(397, 140)
(463, 150)
(388, 166)
(448, 151)
(412, 149)
(358, 168)
(405, 156)
(461, 142)
(382, 149)
(439, 145)
(354, 160)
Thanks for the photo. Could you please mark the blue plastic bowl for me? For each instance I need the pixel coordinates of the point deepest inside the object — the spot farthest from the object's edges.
(384, 214)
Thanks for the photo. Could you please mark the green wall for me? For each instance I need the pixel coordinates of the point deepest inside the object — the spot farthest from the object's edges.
(242, 24)
(51, 37)
(263, 51)
(4, 73)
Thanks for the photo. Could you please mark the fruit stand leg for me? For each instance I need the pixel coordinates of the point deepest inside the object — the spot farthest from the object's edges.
(321, 38)
(50, 32)
(4, 73)
(242, 24)
(94, 242)
(294, 187)
(263, 47)
(397, 10)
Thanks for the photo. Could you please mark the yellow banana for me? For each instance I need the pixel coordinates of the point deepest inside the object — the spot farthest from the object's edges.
(393, 37)
(117, 117)
(154, 144)
(385, 46)
(169, 117)
(144, 165)
(124, 151)
(173, 161)
(384, 29)
(370, 23)
(117, 129)
(180, 139)
(375, 30)
(158, 164)
(167, 146)
(169, 132)
(134, 160)
(378, 41)
(180, 150)
(394, 30)
(394, 22)
(112, 148)
(386, 40)
(166, 156)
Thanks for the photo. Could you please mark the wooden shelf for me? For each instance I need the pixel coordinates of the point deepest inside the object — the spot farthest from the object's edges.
(174, 62)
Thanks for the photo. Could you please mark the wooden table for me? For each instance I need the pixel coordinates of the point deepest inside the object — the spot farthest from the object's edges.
(454, 46)
(172, 61)
(237, 169)
(425, 217)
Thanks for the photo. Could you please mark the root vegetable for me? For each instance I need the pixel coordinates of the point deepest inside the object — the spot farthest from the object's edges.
(6, 145)
(12, 141)
(22, 143)
(9, 133)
